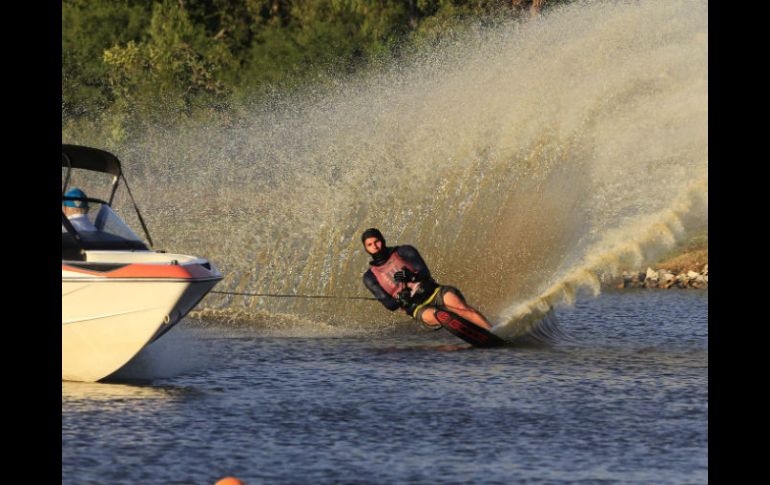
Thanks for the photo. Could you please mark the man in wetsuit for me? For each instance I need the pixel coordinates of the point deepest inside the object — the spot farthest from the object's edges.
(399, 278)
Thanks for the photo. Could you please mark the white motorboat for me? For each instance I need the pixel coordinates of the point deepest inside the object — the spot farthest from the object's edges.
(118, 294)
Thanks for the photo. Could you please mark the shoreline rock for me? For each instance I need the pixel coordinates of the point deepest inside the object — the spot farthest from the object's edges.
(663, 278)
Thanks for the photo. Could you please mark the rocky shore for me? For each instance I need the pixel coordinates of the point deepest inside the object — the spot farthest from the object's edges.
(664, 278)
(687, 268)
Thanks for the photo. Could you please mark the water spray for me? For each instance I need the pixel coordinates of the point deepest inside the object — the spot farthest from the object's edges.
(521, 159)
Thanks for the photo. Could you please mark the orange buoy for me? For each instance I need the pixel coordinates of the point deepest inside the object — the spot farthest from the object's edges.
(229, 481)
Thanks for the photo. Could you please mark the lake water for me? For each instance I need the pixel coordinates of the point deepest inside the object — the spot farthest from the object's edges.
(622, 397)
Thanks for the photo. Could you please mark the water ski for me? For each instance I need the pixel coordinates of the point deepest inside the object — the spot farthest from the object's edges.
(470, 332)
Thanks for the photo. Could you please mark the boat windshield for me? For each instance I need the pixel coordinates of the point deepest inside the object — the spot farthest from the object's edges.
(99, 227)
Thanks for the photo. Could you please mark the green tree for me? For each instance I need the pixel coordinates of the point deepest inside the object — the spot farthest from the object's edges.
(131, 64)
(172, 72)
(88, 28)
(301, 40)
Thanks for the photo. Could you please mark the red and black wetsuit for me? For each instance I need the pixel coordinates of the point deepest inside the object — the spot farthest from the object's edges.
(380, 281)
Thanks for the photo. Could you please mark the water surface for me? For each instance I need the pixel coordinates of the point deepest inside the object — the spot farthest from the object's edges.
(623, 397)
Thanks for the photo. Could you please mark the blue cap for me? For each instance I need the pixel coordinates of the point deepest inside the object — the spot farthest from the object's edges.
(75, 192)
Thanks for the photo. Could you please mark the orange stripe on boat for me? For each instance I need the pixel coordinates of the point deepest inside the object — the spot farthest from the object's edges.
(148, 271)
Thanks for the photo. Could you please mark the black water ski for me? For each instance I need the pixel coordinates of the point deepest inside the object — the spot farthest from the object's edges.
(470, 332)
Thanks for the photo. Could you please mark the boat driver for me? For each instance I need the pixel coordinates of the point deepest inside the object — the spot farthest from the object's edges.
(399, 278)
(77, 211)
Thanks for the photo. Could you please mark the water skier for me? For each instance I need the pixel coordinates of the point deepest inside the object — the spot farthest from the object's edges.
(399, 278)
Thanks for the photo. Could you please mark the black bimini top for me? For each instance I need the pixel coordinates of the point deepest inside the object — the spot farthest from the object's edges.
(87, 158)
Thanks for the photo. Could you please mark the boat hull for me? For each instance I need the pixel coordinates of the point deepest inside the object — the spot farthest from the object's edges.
(106, 322)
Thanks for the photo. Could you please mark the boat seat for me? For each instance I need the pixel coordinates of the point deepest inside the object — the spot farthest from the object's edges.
(101, 218)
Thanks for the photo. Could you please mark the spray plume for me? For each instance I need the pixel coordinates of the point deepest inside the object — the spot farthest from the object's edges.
(525, 160)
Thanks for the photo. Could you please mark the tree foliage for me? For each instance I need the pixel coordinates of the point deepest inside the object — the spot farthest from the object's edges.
(132, 63)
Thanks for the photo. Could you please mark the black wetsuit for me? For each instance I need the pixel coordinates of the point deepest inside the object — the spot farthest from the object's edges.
(411, 256)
